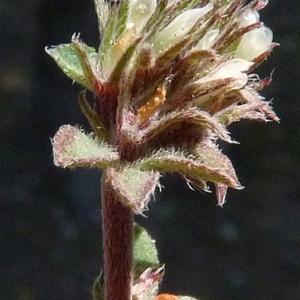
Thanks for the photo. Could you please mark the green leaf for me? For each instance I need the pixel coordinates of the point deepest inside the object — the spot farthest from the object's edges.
(133, 186)
(73, 63)
(144, 251)
(72, 148)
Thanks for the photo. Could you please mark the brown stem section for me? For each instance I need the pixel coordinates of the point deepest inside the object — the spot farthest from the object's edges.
(117, 227)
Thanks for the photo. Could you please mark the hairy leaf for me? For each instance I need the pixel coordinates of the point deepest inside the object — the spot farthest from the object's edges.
(72, 148)
(206, 163)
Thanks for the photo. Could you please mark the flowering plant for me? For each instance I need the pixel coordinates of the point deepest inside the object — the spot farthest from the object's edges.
(168, 78)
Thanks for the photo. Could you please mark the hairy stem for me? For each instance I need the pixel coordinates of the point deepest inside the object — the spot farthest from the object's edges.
(117, 226)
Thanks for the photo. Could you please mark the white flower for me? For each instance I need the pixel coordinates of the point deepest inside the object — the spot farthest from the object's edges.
(233, 68)
(254, 43)
(208, 40)
(248, 17)
(178, 29)
(139, 12)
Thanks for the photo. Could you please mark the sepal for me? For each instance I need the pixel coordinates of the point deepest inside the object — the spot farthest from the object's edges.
(221, 191)
(252, 107)
(190, 115)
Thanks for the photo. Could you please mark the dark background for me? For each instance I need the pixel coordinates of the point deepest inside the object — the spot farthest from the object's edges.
(50, 239)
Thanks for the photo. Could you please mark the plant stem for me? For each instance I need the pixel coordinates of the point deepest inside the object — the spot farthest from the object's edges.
(117, 227)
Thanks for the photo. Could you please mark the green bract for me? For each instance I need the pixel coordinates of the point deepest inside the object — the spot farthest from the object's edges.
(75, 61)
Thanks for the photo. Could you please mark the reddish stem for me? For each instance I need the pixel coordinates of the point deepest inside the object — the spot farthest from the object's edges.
(117, 227)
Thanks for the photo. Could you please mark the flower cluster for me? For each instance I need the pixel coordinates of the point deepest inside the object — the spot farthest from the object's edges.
(168, 79)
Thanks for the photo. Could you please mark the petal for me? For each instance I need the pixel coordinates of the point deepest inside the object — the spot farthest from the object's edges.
(139, 12)
(178, 29)
(233, 68)
(248, 17)
(226, 77)
(208, 40)
(254, 43)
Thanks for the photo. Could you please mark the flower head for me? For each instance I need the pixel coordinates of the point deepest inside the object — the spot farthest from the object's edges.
(168, 79)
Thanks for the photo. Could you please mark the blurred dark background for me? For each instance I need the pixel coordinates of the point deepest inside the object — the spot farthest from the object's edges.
(50, 220)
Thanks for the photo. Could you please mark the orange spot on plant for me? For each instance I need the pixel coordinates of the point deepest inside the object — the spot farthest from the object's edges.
(166, 297)
(146, 111)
